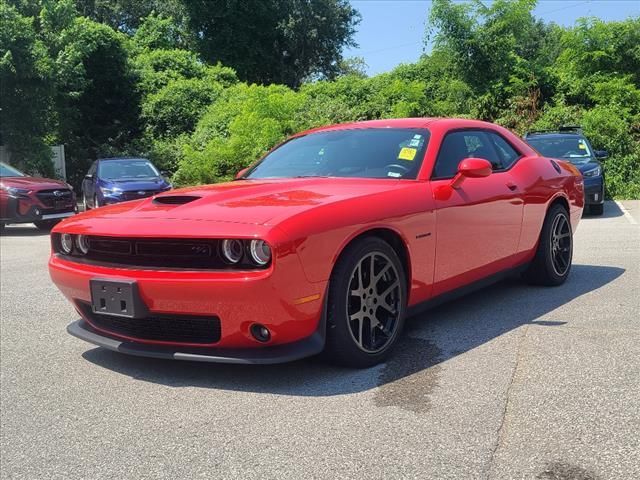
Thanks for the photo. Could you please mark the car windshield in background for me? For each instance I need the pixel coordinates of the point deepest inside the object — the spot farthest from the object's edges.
(7, 171)
(366, 153)
(127, 170)
(571, 148)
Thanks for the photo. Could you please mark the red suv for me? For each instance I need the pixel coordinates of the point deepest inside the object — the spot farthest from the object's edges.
(25, 199)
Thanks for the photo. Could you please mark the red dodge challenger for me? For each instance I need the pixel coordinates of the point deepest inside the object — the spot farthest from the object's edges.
(325, 244)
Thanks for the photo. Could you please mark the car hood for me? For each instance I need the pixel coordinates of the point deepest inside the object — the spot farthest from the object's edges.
(33, 183)
(133, 185)
(244, 201)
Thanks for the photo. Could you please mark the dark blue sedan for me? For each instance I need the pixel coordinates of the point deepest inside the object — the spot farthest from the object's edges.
(569, 144)
(113, 180)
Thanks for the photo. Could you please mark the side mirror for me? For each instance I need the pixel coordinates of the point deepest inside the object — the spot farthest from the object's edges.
(602, 154)
(241, 173)
(471, 168)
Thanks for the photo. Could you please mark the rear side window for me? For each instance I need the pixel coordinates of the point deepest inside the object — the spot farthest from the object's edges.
(457, 146)
(506, 152)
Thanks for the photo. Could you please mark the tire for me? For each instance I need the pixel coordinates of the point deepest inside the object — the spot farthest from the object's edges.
(596, 209)
(46, 225)
(96, 204)
(85, 204)
(352, 338)
(552, 262)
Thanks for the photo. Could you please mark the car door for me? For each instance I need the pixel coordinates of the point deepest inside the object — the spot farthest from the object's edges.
(478, 223)
(88, 184)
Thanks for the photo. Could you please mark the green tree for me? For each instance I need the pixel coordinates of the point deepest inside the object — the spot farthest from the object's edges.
(97, 101)
(274, 41)
(26, 93)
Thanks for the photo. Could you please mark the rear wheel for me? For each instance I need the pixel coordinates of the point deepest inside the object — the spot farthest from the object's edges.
(46, 225)
(596, 209)
(552, 262)
(367, 303)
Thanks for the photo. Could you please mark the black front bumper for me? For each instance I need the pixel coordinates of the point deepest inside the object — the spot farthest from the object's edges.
(260, 355)
(594, 192)
(11, 213)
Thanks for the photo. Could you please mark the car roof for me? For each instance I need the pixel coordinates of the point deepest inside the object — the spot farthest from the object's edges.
(531, 136)
(416, 122)
(122, 158)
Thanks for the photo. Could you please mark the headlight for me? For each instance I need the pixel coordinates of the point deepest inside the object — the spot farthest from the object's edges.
(66, 243)
(83, 244)
(594, 172)
(232, 250)
(110, 191)
(260, 252)
(16, 192)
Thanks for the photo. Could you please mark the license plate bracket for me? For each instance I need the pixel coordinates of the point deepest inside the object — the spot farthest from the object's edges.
(117, 297)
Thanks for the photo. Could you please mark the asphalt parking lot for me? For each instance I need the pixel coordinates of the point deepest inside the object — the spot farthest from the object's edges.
(510, 382)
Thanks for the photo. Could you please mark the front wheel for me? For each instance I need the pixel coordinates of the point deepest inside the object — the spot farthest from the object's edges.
(366, 305)
(554, 254)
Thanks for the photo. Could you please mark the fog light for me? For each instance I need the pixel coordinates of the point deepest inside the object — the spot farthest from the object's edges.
(66, 243)
(260, 332)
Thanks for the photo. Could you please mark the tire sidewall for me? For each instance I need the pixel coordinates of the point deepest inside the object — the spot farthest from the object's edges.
(554, 212)
(340, 342)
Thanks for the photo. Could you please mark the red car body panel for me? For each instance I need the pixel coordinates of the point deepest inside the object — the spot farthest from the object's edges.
(450, 237)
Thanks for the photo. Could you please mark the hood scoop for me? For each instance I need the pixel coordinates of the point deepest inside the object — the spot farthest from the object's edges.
(175, 199)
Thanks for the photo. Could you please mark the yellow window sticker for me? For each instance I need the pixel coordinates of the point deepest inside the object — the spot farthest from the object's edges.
(582, 146)
(407, 154)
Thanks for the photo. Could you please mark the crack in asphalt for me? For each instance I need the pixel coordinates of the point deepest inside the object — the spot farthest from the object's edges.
(500, 433)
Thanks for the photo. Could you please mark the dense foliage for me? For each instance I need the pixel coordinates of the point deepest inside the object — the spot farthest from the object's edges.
(205, 91)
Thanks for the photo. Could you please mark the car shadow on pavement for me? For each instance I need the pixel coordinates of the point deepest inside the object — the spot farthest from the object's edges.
(24, 230)
(429, 340)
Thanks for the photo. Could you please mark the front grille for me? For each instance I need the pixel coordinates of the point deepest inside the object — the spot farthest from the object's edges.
(155, 253)
(56, 198)
(191, 329)
(170, 253)
(137, 194)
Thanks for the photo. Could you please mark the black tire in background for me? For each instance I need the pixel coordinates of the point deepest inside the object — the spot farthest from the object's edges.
(366, 304)
(46, 225)
(552, 262)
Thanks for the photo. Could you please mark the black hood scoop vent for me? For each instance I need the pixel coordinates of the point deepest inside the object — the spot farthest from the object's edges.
(175, 199)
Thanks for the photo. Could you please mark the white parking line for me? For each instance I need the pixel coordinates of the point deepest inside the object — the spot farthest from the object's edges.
(626, 213)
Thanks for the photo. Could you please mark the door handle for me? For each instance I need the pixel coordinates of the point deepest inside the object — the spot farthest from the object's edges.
(512, 186)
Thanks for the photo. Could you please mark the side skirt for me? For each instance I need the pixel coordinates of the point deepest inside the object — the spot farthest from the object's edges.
(465, 290)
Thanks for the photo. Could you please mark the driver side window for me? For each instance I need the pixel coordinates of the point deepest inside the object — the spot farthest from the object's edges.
(457, 146)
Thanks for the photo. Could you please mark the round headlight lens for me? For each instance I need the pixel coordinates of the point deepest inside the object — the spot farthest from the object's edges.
(260, 252)
(83, 244)
(232, 250)
(66, 243)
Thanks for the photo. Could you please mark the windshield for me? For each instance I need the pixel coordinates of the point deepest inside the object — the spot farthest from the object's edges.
(366, 153)
(127, 169)
(571, 148)
(7, 171)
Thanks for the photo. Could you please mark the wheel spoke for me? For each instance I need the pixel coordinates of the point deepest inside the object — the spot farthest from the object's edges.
(359, 317)
(389, 289)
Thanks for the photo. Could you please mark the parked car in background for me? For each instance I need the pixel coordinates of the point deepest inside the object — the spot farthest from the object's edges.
(326, 243)
(113, 180)
(25, 199)
(569, 144)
